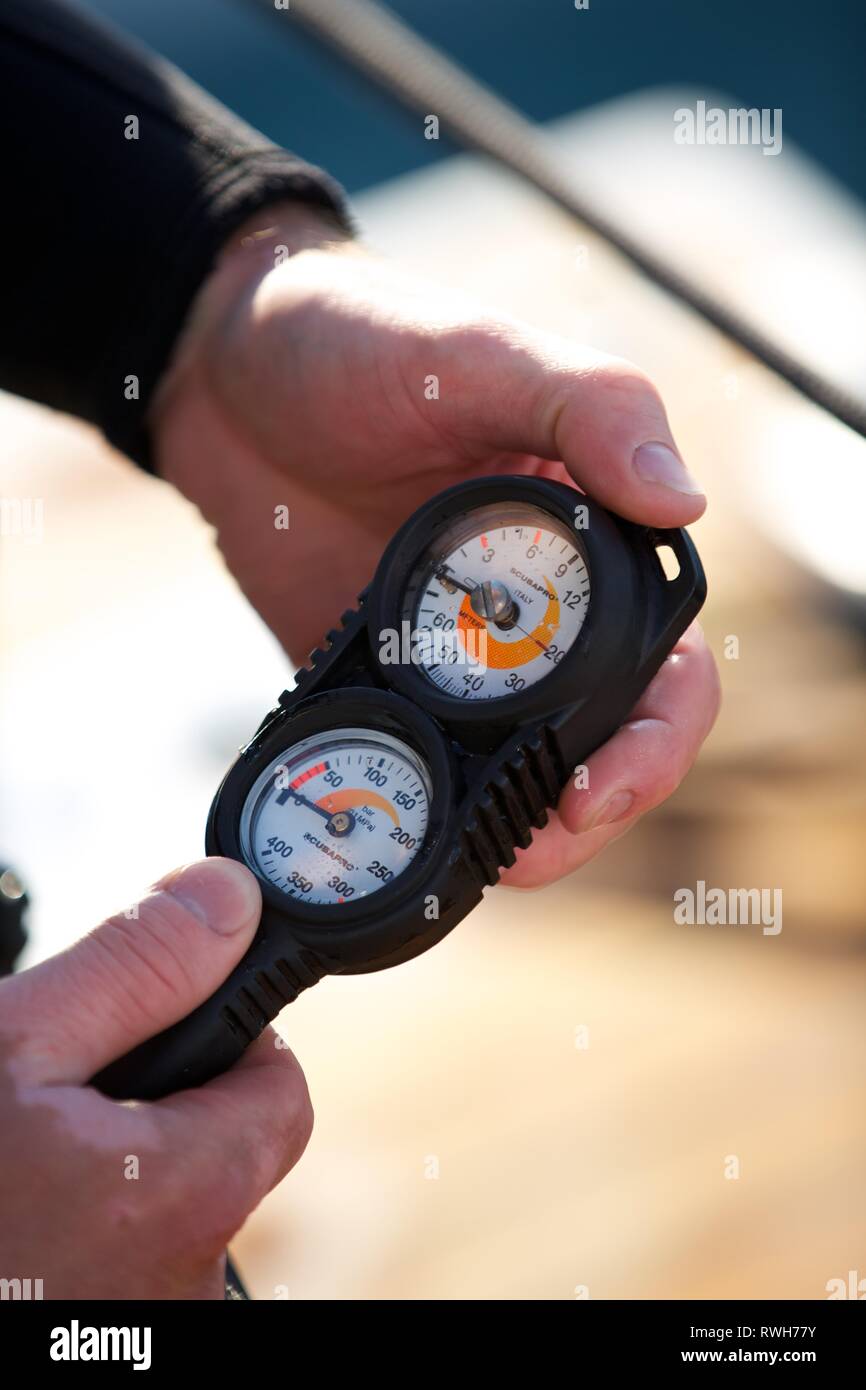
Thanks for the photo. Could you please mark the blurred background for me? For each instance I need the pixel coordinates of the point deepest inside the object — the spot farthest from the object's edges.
(549, 1103)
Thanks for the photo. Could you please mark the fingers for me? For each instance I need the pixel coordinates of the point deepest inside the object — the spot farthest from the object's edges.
(204, 1158)
(600, 415)
(247, 1129)
(134, 975)
(648, 757)
(555, 853)
(634, 771)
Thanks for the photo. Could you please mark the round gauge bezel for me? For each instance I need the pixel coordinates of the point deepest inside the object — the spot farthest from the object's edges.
(610, 617)
(368, 709)
(252, 804)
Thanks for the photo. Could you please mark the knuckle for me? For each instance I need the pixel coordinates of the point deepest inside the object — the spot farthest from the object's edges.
(491, 338)
(256, 1138)
(285, 1129)
(200, 1194)
(222, 1206)
(603, 392)
(629, 386)
(151, 1211)
(661, 756)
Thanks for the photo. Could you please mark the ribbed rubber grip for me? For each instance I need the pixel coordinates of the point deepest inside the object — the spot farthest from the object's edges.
(212, 1038)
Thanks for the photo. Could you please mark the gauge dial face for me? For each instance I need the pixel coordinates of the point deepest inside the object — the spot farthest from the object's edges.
(337, 817)
(497, 600)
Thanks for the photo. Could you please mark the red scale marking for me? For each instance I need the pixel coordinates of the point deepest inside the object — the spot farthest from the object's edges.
(484, 543)
(537, 538)
(305, 776)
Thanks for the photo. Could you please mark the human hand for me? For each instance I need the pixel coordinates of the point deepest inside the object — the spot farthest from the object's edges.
(302, 382)
(108, 1200)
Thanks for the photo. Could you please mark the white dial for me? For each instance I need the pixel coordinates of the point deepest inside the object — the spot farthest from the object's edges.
(338, 816)
(498, 600)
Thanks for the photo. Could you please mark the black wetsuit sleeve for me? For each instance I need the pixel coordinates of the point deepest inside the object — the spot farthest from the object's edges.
(121, 180)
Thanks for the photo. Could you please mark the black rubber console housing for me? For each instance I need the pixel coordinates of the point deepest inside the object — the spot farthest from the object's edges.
(496, 767)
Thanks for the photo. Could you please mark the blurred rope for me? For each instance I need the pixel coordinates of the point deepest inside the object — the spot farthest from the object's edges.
(372, 39)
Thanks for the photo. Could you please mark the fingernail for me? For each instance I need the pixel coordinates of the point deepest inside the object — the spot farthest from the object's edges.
(221, 892)
(658, 463)
(617, 808)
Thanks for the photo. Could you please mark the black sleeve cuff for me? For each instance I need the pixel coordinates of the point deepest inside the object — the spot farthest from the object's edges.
(143, 343)
(107, 239)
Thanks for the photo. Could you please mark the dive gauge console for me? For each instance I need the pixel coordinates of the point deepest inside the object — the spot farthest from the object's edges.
(509, 630)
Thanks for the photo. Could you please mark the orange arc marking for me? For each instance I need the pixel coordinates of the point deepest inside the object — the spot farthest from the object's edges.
(501, 656)
(356, 796)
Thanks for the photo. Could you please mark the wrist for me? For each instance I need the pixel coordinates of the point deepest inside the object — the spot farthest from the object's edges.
(280, 230)
(265, 240)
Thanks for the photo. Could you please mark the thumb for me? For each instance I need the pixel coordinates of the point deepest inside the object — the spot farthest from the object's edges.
(601, 416)
(136, 974)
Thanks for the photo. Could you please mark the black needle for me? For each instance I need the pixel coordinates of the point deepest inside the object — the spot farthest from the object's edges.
(302, 801)
(339, 822)
(446, 576)
(485, 606)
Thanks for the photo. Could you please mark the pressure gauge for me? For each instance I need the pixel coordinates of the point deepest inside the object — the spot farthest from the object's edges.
(337, 816)
(501, 595)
